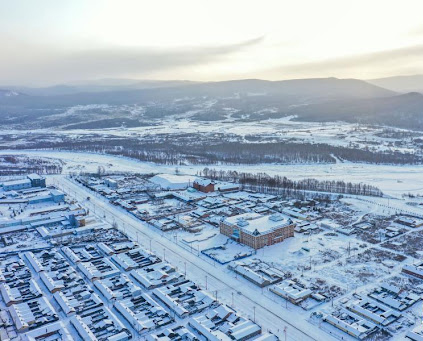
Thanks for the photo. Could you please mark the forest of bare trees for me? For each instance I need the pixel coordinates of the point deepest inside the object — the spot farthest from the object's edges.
(192, 149)
(262, 182)
(20, 165)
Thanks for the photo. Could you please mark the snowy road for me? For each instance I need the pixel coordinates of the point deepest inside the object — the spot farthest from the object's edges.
(246, 298)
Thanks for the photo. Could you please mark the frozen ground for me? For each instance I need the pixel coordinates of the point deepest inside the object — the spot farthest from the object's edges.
(218, 279)
(334, 263)
(285, 128)
(338, 263)
(391, 179)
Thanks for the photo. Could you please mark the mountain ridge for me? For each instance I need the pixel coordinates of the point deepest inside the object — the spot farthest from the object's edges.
(315, 99)
(404, 84)
(312, 87)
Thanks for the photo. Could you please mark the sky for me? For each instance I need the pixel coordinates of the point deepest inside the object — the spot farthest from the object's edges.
(47, 42)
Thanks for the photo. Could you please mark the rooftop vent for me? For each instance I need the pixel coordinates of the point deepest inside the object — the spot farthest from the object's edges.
(276, 217)
(242, 222)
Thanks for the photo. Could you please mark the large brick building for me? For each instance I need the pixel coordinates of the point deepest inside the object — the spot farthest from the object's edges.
(203, 185)
(256, 230)
(207, 185)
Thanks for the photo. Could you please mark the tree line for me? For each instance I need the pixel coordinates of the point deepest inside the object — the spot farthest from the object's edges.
(192, 150)
(262, 182)
(21, 165)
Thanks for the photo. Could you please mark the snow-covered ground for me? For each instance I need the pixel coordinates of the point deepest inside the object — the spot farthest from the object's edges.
(391, 179)
(332, 133)
(336, 263)
(218, 279)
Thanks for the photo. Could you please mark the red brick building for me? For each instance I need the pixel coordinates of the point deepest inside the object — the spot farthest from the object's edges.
(257, 231)
(204, 185)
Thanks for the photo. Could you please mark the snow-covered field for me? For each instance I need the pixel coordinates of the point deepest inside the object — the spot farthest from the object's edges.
(332, 133)
(391, 179)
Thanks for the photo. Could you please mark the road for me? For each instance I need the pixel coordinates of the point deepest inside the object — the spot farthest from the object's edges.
(251, 301)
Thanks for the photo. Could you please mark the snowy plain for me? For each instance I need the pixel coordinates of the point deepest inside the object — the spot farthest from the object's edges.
(393, 180)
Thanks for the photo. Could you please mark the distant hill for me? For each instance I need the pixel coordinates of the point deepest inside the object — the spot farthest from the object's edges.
(402, 84)
(102, 85)
(307, 89)
(141, 83)
(319, 99)
(404, 111)
(9, 93)
(290, 92)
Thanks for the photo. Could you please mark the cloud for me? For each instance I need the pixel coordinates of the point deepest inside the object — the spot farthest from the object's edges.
(60, 66)
(418, 31)
(388, 62)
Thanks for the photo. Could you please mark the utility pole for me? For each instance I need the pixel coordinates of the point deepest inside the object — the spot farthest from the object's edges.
(232, 299)
(185, 263)
(206, 282)
(254, 318)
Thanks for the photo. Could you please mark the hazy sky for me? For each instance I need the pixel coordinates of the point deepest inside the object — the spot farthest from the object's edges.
(55, 41)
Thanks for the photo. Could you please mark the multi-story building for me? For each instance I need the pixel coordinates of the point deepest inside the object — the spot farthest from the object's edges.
(256, 230)
(37, 180)
(203, 185)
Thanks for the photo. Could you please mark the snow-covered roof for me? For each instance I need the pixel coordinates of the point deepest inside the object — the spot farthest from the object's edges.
(355, 325)
(292, 291)
(98, 269)
(143, 312)
(416, 334)
(156, 275)
(34, 176)
(23, 313)
(56, 329)
(203, 182)
(17, 182)
(255, 223)
(172, 181)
